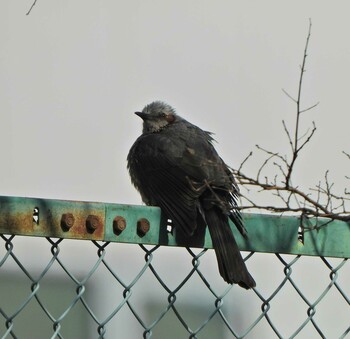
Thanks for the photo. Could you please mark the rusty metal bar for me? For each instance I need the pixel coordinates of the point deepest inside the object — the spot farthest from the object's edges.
(144, 225)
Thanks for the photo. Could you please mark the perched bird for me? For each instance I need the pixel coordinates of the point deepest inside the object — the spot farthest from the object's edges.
(175, 166)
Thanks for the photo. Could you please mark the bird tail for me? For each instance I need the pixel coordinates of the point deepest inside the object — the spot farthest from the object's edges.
(231, 265)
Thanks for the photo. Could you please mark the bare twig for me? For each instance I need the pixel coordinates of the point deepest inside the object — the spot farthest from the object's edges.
(308, 138)
(245, 160)
(309, 108)
(288, 134)
(296, 149)
(288, 95)
(31, 7)
(292, 199)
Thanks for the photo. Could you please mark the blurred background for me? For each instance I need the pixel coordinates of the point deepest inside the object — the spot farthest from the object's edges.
(72, 74)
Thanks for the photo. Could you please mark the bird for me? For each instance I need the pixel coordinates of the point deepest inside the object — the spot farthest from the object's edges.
(174, 165)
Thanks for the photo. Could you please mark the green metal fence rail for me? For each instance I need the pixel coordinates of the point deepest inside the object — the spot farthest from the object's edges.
(104, 224)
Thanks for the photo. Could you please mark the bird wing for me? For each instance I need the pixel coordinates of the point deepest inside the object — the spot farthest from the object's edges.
(199, 158)
(203, 165)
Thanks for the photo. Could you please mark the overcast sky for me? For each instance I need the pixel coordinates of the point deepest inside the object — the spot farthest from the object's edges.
(73, 72)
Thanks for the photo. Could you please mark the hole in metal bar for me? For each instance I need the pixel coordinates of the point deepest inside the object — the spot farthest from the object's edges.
(36, 215)
(301, 234)
(169, 226)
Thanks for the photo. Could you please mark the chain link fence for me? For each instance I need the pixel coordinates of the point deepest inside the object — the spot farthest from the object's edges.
(111, 290)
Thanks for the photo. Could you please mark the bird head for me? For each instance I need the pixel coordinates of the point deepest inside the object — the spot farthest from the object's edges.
(156, 116)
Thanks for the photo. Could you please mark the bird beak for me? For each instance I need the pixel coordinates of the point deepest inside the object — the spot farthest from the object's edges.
(142, 115)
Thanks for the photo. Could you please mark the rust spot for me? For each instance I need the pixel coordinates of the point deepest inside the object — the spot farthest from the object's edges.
(143, 226)
(88, 223)
(119, 224)
(92, 223)
(52, 218)
(67, 221)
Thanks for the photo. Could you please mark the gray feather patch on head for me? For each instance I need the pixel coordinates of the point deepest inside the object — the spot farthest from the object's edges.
(157, 116)
(158, 107)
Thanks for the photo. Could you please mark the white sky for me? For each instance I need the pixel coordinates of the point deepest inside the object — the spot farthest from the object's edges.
(73, 72)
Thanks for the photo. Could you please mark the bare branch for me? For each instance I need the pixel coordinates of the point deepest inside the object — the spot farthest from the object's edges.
(302, 71)
(295, 147)
(275, 154)
(280, 168)
(313, 203)
(263, 165)
(308, 138)
(309, 108)
(347, 154)
(31, 7)
(244, 161)
(288, 95)
(288, 134)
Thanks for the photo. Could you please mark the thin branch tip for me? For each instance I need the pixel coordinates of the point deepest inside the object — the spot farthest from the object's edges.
(318, 202)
